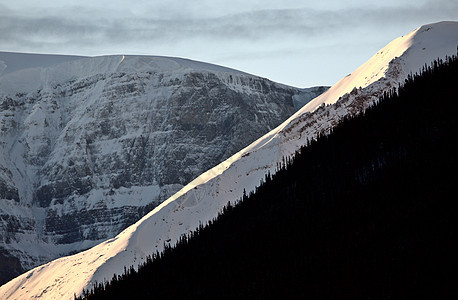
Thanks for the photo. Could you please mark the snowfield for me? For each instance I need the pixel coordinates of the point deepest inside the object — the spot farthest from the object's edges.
(202, 199)
(90, 145)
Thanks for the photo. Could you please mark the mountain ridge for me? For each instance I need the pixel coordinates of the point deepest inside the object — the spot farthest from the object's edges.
(357, 213)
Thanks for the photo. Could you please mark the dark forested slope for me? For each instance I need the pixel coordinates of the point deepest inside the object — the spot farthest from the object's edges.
(368, 211)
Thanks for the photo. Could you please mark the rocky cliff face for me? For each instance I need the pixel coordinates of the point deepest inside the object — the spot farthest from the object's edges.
(89, 146)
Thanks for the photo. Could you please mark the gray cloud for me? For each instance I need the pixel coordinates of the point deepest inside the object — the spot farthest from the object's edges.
(254, 25)
(299, 38)
(92, 28)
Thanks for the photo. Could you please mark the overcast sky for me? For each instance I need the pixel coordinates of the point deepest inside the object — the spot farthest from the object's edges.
(300, 43)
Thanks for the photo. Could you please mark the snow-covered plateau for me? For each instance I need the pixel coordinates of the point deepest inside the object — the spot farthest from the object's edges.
(88, 145)
(202, 199)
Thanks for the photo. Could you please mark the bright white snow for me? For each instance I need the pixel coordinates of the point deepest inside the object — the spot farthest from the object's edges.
(204, 197)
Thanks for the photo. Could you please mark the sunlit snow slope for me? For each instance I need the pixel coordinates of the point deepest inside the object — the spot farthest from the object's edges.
(204, 197)
(90, 145)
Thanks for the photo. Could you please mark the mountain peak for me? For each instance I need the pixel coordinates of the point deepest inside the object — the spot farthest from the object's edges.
(394, 62)
(26, 72)
(11, 62)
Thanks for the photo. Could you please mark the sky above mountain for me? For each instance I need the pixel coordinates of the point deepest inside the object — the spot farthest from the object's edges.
(296, 42)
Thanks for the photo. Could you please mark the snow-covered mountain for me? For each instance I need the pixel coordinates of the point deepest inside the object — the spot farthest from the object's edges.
(204, 197)
(88, 145)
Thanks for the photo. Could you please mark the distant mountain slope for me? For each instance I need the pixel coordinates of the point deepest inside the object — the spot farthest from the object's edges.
(366, 212)
(11, 62)
(201, 200)
(89, 145)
